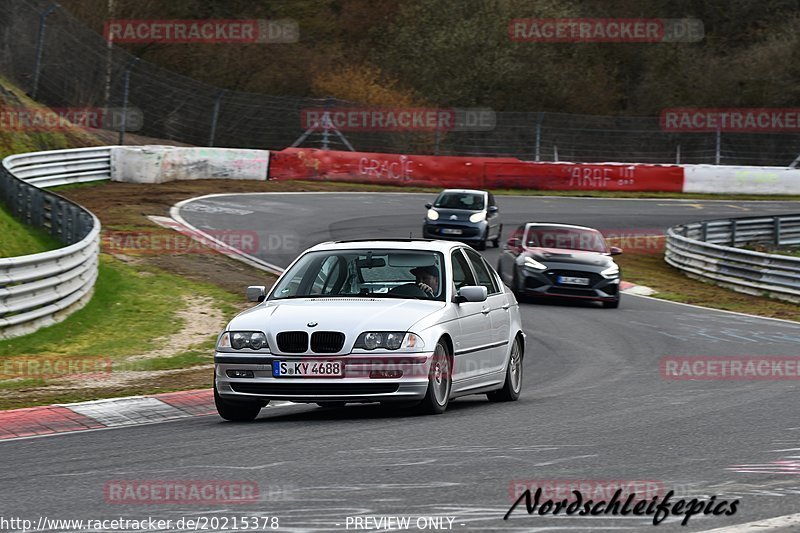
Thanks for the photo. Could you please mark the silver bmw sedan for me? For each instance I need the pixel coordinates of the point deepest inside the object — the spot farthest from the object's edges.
(414, 321)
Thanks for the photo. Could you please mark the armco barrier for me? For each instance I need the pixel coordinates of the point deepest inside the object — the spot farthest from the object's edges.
(708, 250)
(40, 289)
(158, 164)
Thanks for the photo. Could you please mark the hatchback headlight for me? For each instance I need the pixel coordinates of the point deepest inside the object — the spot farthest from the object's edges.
(241, 340)
(533, 264)
(433, 214)
(477, 217)
(389, 340)
(611, 272)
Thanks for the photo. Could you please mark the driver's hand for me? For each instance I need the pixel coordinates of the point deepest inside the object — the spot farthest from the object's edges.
(425, 288)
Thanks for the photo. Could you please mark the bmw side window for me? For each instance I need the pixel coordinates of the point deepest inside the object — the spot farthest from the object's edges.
(485, 278)
(462, 275)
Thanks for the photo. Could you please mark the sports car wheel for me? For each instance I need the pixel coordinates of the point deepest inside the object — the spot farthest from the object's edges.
(513, 383)
(439, 383)
(236, 411)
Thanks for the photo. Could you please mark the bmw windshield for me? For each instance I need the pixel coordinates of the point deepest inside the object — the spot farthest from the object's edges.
(469, 201)
(364, 273)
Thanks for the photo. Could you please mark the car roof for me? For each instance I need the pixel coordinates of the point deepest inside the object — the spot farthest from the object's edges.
(390, 244)
(475, 191)
(573, 226)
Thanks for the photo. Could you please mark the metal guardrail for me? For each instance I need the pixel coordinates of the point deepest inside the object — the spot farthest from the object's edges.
(40, 289)
(709, 250)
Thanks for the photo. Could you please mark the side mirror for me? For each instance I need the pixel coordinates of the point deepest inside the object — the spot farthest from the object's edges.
(256, 293)
(428, 205)
(513, 242)
(471, 293)
(493, 209)
(615, 250)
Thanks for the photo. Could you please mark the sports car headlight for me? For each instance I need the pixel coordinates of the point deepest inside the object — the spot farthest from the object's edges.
(389, 340)
(533, 264)
(611, 272)
(477, 217)
(433, 214)
(240, 340)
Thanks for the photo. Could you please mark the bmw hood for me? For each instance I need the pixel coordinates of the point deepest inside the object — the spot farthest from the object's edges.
(557, 255)
(351, 316)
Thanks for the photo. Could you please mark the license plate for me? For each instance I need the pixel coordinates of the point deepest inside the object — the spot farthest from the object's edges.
(307, 369)
(573, 281)
(451, 231)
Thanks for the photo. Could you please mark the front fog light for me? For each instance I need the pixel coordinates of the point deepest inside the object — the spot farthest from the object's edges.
(239, 373)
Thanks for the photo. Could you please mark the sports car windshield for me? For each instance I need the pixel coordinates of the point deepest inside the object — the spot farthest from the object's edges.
(587, 240)
(406, 274)
(460, 200)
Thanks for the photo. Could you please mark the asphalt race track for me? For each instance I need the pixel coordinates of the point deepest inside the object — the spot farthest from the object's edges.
(594, 406)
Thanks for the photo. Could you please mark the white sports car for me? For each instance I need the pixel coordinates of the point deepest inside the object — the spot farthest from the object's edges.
(411, 320)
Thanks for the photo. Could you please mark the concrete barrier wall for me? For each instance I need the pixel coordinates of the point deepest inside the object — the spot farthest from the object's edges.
(741, 180)
(158, 164)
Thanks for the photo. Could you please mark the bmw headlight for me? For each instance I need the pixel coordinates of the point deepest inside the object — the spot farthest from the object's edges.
(433, 214)
(533, 264)
(477, 217)
(241, 340)
(389, 340)
(611, 272)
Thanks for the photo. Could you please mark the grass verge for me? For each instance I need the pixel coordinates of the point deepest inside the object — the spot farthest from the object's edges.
(651, 270)
(18, 239)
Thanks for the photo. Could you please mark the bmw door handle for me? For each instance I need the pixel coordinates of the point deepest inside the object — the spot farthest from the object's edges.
(506, 306)
(485, 310)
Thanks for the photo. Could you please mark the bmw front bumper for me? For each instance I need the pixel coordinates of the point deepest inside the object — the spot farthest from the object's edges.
(355, 386)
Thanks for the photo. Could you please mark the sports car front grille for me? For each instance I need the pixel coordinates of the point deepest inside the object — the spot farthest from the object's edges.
(594, 278)
(314, 389)
(327, 341)
(292, 341)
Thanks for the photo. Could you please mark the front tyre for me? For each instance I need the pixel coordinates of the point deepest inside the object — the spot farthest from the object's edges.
(235, 411)
(496, 240)
(513, 383)
(439, 383)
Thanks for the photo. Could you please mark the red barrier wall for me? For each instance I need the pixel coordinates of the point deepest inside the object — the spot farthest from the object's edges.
(470, 172)
(584, 176)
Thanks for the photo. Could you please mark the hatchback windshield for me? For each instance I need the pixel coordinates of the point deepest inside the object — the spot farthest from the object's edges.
(460, 200)
(587, 240)
(376, 273)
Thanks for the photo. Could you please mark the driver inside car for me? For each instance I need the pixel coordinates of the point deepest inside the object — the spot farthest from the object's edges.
(426, 284)
(427, 279)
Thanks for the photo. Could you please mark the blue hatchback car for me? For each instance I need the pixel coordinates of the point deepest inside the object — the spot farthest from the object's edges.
(465, 215)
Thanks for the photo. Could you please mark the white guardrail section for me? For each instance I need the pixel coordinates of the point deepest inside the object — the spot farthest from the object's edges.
(708, 250)
(40, 289)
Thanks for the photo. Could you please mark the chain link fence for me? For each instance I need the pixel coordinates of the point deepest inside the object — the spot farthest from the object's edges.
(62, 63)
